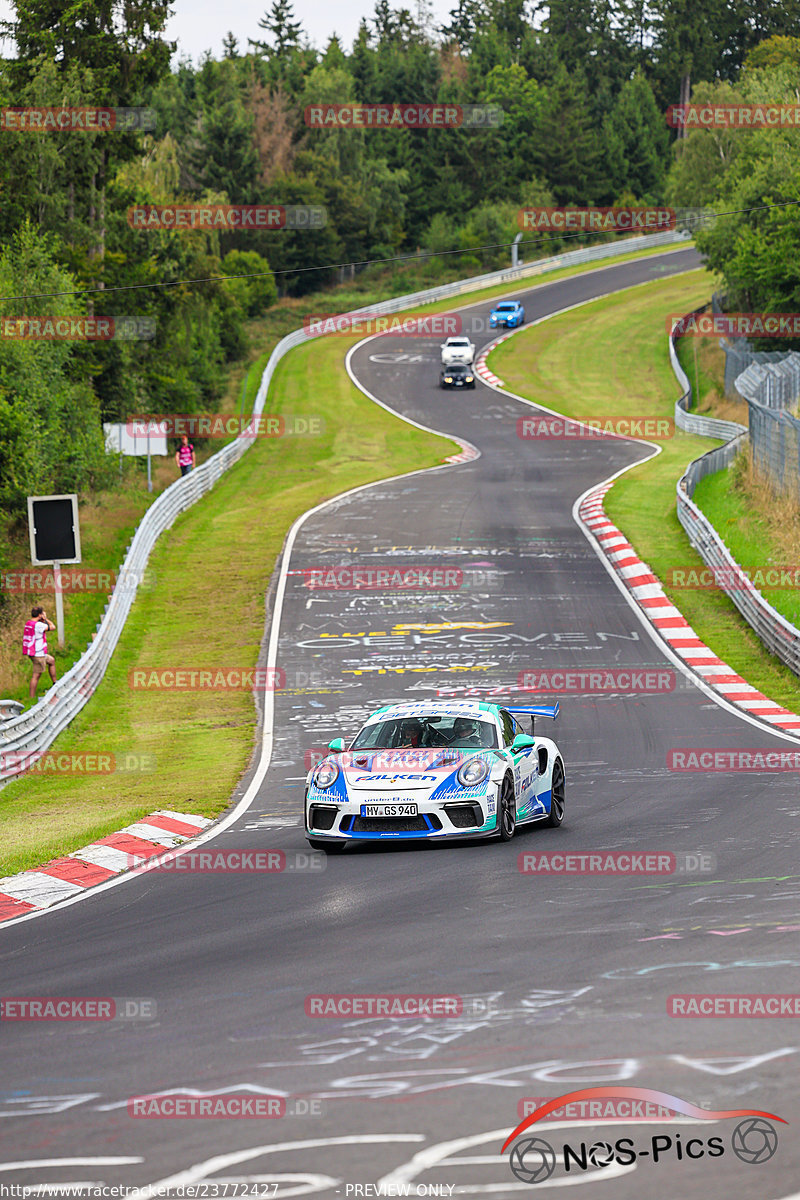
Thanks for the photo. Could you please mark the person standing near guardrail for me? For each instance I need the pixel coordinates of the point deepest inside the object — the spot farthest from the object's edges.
(34, 644)
(184, 455)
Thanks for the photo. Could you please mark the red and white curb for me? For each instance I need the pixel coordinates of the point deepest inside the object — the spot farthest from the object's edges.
(66, 877)
(481, 367)
(662, 614)
(466, 455)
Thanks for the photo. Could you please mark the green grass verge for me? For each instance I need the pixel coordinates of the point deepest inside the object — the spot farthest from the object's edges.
(746, 533)
(206, 611)
(609, 359)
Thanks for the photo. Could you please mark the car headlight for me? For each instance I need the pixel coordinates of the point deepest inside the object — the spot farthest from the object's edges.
(473, 772)
(326, 773)
(448, 378)
(469, 379)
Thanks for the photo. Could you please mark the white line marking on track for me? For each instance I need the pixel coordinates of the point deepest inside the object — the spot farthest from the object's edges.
(219, 1162)
(31, 1163)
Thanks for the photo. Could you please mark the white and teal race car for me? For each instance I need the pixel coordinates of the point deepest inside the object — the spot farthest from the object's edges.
(436, 769)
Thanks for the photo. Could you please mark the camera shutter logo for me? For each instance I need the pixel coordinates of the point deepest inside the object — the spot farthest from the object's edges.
(754, 1140)
(601, 1154)
(541, 1164)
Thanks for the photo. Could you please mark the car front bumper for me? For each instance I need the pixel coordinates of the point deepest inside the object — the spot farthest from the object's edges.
(337, 822)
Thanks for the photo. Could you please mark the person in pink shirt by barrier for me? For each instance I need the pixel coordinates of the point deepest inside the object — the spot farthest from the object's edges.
(34, 644)
(184, 455)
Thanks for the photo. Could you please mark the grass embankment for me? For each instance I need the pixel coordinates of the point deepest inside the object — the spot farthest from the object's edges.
(609, 359)
(760, 526)
(207, 612)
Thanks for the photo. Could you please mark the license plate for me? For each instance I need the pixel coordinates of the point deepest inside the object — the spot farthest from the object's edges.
(388, 810)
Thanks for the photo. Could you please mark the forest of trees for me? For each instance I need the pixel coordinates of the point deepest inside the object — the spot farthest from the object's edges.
(583, 85)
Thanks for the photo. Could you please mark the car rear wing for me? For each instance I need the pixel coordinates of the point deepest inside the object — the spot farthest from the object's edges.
(533, 711)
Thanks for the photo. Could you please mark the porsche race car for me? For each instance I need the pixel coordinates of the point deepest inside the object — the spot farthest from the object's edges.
(436, 769)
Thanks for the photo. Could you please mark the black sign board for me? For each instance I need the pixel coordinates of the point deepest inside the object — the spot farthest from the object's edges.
(54, 530)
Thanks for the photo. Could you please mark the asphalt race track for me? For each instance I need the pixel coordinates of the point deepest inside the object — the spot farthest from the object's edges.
(565, 979)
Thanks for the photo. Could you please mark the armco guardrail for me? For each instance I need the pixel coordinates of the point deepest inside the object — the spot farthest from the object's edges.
(693, 422)
(778, 635)
(25, 737)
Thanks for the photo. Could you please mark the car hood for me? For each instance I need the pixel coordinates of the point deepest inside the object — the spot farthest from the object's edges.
(401, 770)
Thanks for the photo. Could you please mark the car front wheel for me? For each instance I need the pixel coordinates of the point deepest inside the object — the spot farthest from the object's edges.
(557, 795)
(507, 810)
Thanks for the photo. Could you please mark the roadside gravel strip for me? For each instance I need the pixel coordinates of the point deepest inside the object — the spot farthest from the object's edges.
(644, 589)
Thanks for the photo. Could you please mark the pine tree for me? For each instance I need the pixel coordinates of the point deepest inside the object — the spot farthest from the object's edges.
(285, 30)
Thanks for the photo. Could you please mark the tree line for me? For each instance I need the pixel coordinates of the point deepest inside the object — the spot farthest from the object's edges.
(583, 86)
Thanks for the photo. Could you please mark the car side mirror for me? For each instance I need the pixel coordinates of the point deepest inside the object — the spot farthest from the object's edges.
(337, 745)
(523, 742)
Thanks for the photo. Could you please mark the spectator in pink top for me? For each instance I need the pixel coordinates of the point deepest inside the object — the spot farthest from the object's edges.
(184, 455)
(34, 645)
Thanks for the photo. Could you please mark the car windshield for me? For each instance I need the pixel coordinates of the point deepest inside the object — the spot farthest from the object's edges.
(506, 307)
(463, 733)
(458, 341)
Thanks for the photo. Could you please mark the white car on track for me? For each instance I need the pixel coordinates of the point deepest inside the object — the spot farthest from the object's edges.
(457, 350)
(436, 769)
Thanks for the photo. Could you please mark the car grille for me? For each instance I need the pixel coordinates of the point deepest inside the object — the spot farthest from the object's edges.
(321, 816)
(419, 824)
(465, 816)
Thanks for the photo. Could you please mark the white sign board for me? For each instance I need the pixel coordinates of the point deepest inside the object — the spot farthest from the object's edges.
(121, 440)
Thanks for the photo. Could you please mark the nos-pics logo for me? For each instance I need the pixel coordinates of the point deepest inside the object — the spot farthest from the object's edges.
(753, 1140)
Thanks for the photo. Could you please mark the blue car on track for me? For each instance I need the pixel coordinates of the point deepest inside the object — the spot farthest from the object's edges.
(436, 769)
(509, 313)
